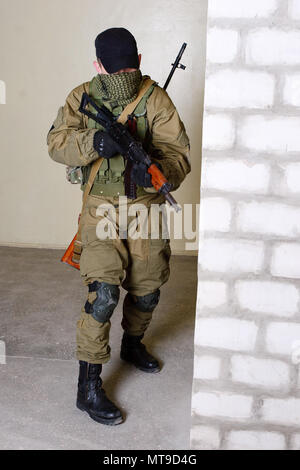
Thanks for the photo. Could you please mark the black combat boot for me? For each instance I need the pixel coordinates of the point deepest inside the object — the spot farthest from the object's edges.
(92, 398)
(133, 351)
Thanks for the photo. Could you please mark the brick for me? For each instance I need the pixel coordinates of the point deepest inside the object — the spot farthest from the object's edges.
(281, 337)
(294, 9)
(269, 218)
(222, 255)
(211, 294)
(221, 404)
(281, 411)
(268, 297)
(206, 367)
(269, 134)
(222, 45)
(255, 372)
(255, 440)
(205, 437)
(239, 88)
(291, 90)
(226, 333)
(295, 442)
(284, 260)
(292, 177)
(273, 47)
(218, 131)
(235, 176)
(215, 214)
(241, 9)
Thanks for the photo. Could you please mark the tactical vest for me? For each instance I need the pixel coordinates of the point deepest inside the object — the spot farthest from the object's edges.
(109, 180)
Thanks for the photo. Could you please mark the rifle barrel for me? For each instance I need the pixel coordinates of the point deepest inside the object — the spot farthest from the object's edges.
(175, 65)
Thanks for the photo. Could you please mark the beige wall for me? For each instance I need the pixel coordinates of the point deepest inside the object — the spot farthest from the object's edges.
(46, 50)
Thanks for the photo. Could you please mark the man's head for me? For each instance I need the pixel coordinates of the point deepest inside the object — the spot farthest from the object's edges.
(116, 51)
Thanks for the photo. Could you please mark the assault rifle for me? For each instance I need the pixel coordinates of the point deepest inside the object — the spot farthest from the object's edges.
(129, 148)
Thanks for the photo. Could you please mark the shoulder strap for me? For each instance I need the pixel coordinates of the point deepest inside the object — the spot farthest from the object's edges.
(146, 84)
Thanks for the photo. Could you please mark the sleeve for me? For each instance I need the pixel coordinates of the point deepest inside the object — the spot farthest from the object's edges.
(170, 144)
(69, 141)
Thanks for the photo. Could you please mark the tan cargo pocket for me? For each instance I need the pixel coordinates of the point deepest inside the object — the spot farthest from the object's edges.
(90, 221)
(159, 256)
(100, 259)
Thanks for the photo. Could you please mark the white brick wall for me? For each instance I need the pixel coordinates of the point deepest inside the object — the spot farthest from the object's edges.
(268, 297)
(270, 134)
(211, 294)
(281, 411)
(216, 211)
(222, 45)
(226, 333)
(222, 255)
(234, 175)
(267, 373)
(291, 91)
(238, 88)
(269, 218)
(294, 9)
(247, 335)
(281, 336)
(205, 437)
(222, 404)
(270, 46)
(295, 442)
(241, 9)
(255, 440)
(292, 175)
(284, 260)
(207, 368)
(218, 132)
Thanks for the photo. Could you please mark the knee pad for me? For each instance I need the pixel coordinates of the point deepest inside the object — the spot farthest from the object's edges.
(106, 301)
(147, 303)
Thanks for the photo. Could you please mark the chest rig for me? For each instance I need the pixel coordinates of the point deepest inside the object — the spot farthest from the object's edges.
(110, 179)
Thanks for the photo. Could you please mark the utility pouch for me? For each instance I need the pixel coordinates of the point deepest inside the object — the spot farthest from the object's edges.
(74, 174)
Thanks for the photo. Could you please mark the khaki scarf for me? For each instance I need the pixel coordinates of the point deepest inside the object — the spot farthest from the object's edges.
(120, 88)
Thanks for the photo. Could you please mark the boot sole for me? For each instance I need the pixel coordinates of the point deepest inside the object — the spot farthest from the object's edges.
(149, 371)
(108, 421)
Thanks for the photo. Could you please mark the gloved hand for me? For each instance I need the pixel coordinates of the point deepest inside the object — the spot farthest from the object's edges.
(140, 175)
(105, 145)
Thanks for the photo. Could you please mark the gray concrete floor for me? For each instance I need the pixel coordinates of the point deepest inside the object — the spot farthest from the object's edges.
(40, 301)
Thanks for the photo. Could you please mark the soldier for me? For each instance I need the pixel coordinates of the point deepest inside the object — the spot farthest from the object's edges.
(140, 266)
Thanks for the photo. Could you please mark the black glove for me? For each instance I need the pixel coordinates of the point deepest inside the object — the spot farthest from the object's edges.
(105, 145)
(140, 175)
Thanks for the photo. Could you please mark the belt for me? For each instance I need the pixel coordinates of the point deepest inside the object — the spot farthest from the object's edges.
(112, 189)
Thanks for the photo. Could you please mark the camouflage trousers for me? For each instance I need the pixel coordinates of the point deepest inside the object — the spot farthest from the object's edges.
(139, 265)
